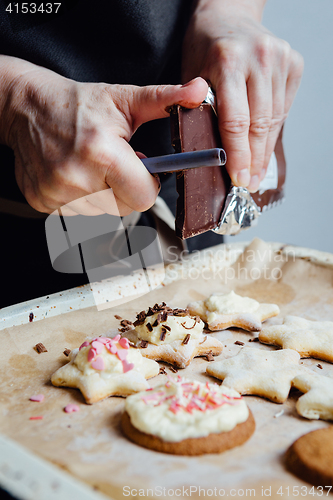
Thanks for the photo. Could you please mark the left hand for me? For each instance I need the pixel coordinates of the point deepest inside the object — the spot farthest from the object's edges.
(255, 76)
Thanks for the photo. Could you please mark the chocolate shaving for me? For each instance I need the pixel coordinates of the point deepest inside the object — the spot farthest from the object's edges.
(132, 344)
(319, 366)
(125, 329)
(238, 342)
(173, 369)
(144, 344)
(163, 334)
(186, 339)
(189, 327)
(180, 312)
(140, 318)
(149, 327)
(255, 339)
(67, 352)
(126, 322)
(162, 371)
(117, 316)
(31, 317)
(40, 348)
(204, 340)
(210, 356)
(164, 316)
(150, 312)
(167, 327)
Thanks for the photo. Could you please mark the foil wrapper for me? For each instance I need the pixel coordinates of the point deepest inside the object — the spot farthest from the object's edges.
(211, 99)
(240, 212)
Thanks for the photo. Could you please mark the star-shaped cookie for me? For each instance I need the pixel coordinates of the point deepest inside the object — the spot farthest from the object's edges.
(225, 310)
(259, 372)
(106, 367)
(308, 338)
(317, 402)
(170, 335)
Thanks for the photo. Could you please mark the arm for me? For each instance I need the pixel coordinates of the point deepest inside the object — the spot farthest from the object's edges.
(70, 139)
(255, 76)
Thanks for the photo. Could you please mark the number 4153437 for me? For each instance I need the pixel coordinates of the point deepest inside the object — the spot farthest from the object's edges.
(32, 8)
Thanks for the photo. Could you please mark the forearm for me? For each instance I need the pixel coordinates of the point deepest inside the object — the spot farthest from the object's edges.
(251, 8)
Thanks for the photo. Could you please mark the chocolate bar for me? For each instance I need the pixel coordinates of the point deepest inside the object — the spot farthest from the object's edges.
(202, 191)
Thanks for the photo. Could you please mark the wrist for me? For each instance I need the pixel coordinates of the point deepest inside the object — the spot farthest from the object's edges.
(19, 81)
(232, 8)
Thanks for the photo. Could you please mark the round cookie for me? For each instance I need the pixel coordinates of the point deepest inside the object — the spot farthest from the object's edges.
(214, 443)
(185, 417)
(311, 457)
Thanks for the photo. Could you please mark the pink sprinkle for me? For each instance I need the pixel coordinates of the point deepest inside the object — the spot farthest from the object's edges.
(83, 345)
(40, 417)
(112, 348)
(122, 354)
(37, 397)
(98, 346)
(103, 340)
(98, 363)
(124, 343)
(91, 354)
(71, 408)
(116, 338)
(127, 366)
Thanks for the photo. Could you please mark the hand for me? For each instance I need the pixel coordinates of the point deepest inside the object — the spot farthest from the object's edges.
(71, 139)
(255, 76)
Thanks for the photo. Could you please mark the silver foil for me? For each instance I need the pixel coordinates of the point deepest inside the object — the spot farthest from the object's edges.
(240, 212)
(211, 99)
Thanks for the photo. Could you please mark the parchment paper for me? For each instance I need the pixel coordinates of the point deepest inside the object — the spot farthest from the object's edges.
(89, 443)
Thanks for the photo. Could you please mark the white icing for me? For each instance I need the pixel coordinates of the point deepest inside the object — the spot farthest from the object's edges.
(230, 303)
(113, 365)
(179, 326)
(159, 420)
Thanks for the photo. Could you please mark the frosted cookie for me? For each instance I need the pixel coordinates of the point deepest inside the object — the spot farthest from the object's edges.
(187, 418)
(105, 367)
(225, 310)
(311, 458)
(259, 372)
(317, 402)
(308, 338)
(171, 335)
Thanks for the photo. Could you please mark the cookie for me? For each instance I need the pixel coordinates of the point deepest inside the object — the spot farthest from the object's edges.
(317, 402)
(105, 367)
(259, 372)
(308, 338)
(225, 310)
(187, 418)
(311, 457)
(171, 335)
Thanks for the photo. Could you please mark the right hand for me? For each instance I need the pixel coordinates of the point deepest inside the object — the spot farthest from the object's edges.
(70, 139)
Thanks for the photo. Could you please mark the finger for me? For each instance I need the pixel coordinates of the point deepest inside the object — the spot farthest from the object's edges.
(295, 73)
(129, 179)
(278, 116)
(260, 103)
(234, 123)
(153, 102)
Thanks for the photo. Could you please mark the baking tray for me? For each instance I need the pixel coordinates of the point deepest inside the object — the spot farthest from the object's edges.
(61, 456)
